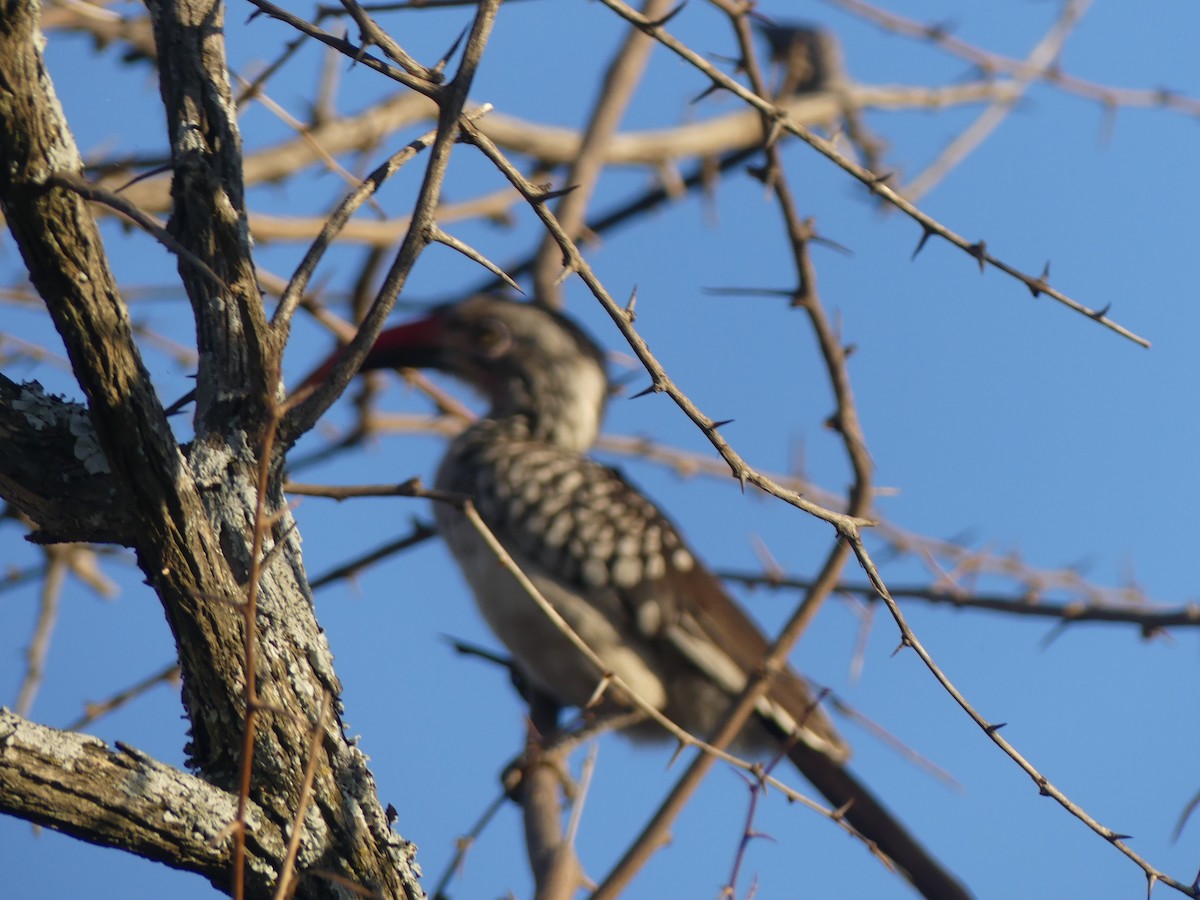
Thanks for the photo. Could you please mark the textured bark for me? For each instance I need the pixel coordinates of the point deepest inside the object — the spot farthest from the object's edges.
(53, 470)
(190, 516)
(121, 798)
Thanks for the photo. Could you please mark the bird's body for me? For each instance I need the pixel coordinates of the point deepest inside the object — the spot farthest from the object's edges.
(618, 572)
(613, 565)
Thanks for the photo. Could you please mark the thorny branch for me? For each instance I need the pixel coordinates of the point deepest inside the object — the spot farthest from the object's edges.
(605, 679)
(847, 524)
(992, 730)
(871, 180)
(989, 63)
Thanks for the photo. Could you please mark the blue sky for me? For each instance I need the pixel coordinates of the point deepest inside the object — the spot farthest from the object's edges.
(987, 413)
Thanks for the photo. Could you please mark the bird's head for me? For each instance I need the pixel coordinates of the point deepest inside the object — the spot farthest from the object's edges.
(525, 359)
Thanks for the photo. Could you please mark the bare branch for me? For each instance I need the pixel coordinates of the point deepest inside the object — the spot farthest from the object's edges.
(869, 179)
(122, 798)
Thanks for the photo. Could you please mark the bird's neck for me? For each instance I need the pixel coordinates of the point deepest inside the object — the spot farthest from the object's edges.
(560, 405)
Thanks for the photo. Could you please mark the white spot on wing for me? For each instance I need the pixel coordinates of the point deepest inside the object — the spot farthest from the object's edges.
(627, 571)
(649, 617)
(559, 530)
(594, 572)
(570, 481)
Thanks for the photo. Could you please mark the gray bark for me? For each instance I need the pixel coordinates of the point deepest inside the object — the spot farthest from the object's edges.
(118, 473)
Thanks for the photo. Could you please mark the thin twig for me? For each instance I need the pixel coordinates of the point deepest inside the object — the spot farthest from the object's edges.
(930, 226)
(614, 94)
(451, 99)
(463, 845)
(142, 219)
(92, 711)
(1041, 59)
(284, 886)
(604, 677)
(49, 599)
(992, 730)
(1150, 621)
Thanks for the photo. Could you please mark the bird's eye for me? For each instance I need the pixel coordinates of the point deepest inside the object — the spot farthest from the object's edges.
(494, 338)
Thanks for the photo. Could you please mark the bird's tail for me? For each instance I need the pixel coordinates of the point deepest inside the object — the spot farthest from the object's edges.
(874, 821)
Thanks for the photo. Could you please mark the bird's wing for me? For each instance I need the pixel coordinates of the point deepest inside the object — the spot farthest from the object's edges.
(587, 527)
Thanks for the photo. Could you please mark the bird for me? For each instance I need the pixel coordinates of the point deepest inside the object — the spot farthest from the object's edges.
(612, 564)
(810, 56)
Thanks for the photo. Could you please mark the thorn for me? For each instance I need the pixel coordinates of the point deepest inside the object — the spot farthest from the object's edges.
(926, 234)
(758, 173)
(882, 177)
(1054, 634)
(445, 60)
(741, 477)
(938, 31)
(142, 176)
(392, 814)
(545, 195)
(1149, 632)
(849, 350)
(1117, 836)
(561, 278)
(992, 729)
(1038, 285)
(773, 134)
(361, 53)
(659, 23)
(441, 237)
(179, 404)
(601, 689)
(653, 389)
(979, 251)
(630, 312)
(707, 92)
(680, 746)
(1100, 313)
(748, 292)
(410, 487)
(831, 244)
(721, 423)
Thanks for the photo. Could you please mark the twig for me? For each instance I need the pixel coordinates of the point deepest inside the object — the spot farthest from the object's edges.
(988, 62)
(49, 599)
(420, 533)
(1040, 61)
(451, 99)
(615, 91)
(142, 219)
(1149, 620)
(463, 845)
(992, 730)
(284, 886)
(93, 711)
(977, 250)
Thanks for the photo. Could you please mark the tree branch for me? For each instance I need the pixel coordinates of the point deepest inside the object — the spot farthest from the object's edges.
(77, 784)
(53, 470)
